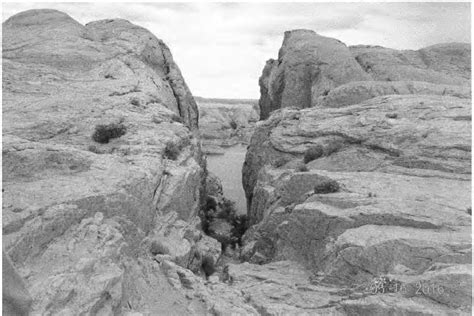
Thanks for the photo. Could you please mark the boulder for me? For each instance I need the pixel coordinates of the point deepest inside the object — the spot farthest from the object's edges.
(308, 66)
(312, 70)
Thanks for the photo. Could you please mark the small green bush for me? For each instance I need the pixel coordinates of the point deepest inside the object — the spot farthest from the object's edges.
(172, 151)
(208, 265)
(302, 168)
(279, 162)
(103, 133)
(233, 124)
(313, 153)
(135, 101)
(157, 248)
(326, 185)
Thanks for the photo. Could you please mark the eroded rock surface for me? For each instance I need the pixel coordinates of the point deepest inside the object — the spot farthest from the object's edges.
(312, 70)
(79, 216)
(225, 123)
(369, 181)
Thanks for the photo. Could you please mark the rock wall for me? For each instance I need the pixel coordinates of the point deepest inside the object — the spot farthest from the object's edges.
(83, 220)
(369, 181)
(312, 70)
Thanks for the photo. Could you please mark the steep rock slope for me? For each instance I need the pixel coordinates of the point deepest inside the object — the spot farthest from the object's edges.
(371, 185)
(82, 219)
(312, 70)
(300, 75)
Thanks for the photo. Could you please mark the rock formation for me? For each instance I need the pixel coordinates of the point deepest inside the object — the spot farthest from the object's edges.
(368, 180)
(226, 122)
(82, 219)
(312, 70)
(359, 198)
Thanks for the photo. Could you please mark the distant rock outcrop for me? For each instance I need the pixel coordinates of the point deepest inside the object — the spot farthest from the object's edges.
(310, 68)
(226, 122)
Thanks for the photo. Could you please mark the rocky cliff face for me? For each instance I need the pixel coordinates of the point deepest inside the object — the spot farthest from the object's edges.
(369, 181)
(312, 70)
(83, 219)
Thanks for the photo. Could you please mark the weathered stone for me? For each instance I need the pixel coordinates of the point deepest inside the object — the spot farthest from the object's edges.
(308, 66)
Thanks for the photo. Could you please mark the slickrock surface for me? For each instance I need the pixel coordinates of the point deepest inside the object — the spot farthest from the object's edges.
(313, 70)
(224, 123)
(81, 219)
(112, 228)
(387, 189)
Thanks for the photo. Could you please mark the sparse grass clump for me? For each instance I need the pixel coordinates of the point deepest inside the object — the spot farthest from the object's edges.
(233, 124)
(208, 265)
(104, 133)
(157, 248)
(302, 168)
(279, 162)
(326, 185)
(313, 153)
(171, 151)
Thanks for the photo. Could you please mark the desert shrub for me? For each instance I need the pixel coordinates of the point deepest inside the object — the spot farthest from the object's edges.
(103, 133)
(326, 185)
(302, 168)
(157, 248)
(279, 162)
(313, 153)
(208, 265)
(225, 211)
(239, 227)
(171, 151)
(233, 124)
(228, 210)
(135, 101)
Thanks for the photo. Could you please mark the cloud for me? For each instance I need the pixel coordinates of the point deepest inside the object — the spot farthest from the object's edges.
(221, 48)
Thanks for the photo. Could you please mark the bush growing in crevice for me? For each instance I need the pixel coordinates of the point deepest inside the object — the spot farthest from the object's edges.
(280, 162)
(233, 124)
(172, 151)
(208, 265)
(326, 185)
(226, 211)
(312, 153)
(104, 133)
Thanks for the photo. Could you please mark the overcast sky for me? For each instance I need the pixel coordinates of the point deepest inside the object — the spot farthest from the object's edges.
(221, 48)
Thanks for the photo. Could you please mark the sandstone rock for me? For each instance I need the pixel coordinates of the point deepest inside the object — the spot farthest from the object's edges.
(442, 63)
(76, 212)
(312, 70)
(359, 91)
(308, 66)
(225, 122)
(400, 155)
(16, 299)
